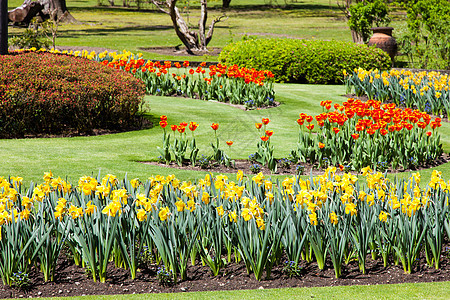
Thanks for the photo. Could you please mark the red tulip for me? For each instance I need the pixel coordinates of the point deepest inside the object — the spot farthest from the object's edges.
(193, 126)
(215, 126)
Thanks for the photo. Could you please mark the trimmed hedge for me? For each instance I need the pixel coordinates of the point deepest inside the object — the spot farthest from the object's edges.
(44, 93)
(304, 61)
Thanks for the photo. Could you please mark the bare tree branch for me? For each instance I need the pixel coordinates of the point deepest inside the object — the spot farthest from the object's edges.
(211, 28)
(194, 41)
(159, 5)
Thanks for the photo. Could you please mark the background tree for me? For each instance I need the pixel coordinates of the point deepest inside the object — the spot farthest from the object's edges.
(59, 6)
(426, 39)
(194, 41)
(361, 15)
(3, 27)
(226, 3)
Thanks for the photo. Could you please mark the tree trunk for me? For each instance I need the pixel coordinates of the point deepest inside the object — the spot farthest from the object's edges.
(357, 37)
(49, 6)
(226, 3)
(202, 25)
(3, 27)
(192, 40)
(62, 12)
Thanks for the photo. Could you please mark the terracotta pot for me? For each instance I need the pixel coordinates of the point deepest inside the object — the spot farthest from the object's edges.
(382, 38)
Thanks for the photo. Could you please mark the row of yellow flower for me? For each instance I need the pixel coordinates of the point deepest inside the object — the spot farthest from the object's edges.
(380, 190)
(388, 214)
(427, 91)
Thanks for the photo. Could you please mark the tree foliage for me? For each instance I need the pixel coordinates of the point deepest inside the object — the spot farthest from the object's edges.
(426, 40)
(362, 15)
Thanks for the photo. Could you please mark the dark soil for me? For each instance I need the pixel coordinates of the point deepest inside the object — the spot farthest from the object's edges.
(309, 168)
(180, 51)
(140, 123)
(73, 281)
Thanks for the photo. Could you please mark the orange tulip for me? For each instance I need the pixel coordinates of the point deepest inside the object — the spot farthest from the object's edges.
(269, 133)
(174, 127)
(264, 138)
(193, 126)
(355, 136)
(215, 126)
(300, 122)
(336, 130)
(428, 133)
(265, 121)
(163, 118)
(229, 143)
(310, 126)
(258, 125)
(321, 145)
(163, 124)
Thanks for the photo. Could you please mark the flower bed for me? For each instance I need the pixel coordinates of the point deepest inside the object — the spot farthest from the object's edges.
(427, 91)
(232, 84)
(353, 135)
(214, 221)
(46, 93)
(357, 134)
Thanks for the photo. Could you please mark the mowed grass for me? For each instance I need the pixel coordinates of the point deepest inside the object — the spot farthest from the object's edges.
(440, 290)
(120, 28)
(122, 153)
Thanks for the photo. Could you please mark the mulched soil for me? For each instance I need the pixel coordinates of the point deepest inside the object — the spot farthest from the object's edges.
(309, 168)
(73, 281)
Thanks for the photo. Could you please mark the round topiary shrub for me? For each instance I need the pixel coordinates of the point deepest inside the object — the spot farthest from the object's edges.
(304, 61)
(44, 93)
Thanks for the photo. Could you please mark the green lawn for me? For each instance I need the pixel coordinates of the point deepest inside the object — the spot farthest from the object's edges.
(121, 153)
(126, 28)
(440, 290)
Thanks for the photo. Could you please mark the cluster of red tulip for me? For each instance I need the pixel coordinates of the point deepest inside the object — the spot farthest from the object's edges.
(378, 125)
(180, 128)
(249, 75)
(372, 117)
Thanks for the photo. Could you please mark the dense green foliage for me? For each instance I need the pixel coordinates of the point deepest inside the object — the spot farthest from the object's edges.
(427, 37)
(365, 14)
(303, 61)
(47, 93)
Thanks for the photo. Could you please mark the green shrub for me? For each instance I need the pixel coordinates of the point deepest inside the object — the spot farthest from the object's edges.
(52, 94)
(304, 61)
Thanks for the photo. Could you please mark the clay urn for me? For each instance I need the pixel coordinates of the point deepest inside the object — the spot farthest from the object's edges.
(382, 38)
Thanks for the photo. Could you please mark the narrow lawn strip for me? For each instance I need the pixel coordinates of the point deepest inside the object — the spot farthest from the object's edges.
(441, 290)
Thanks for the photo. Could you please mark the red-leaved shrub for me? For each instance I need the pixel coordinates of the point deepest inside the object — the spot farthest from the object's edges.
(48, 93)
